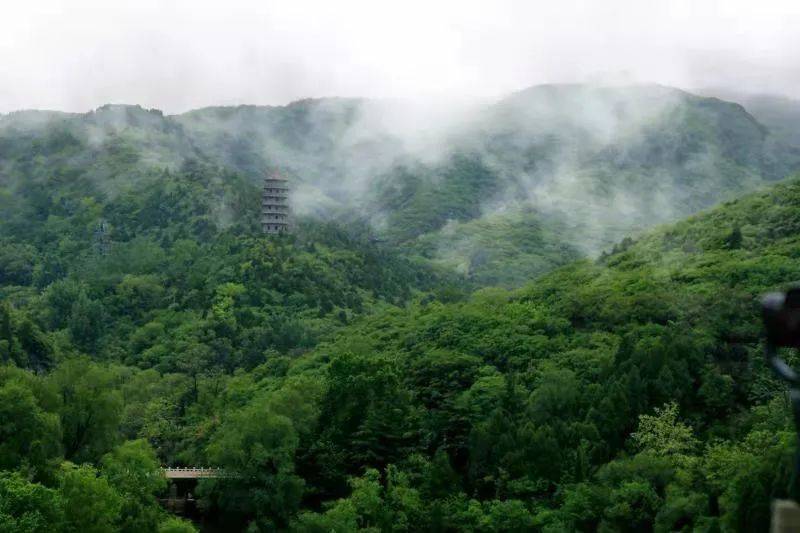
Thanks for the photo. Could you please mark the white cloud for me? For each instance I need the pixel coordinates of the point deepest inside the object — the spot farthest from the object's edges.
(180, 54)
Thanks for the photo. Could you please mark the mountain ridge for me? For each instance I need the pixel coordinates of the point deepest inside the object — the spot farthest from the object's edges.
(609, 160)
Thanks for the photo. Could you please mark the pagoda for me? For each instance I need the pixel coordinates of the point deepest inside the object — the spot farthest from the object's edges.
(275, 204)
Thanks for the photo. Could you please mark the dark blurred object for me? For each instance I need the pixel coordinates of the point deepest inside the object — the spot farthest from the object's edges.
(781, 313)
(782, 317)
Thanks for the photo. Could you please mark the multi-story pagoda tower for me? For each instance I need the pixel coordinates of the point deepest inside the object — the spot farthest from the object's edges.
(275, 204)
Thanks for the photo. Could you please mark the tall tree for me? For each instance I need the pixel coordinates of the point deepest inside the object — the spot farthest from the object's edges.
(91, 408)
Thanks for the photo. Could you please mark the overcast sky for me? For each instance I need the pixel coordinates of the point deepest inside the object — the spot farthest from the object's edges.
(176, 55)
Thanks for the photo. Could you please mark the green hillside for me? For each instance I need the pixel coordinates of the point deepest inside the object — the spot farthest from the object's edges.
(626, 393)
(778, 113)
(346, 374)
(623, 394)
(116, 276)
(588, 165)
(591, 165)
(502, 249)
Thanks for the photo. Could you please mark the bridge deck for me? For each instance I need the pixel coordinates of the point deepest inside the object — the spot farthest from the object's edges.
(191, 473)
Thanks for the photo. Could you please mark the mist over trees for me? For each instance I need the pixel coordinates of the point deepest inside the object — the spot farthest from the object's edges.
(472, 328)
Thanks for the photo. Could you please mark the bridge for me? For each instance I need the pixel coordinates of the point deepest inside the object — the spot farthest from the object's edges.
(192, 472)
(182, 482)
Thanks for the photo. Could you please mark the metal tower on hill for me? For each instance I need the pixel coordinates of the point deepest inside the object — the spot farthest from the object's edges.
(275, 204)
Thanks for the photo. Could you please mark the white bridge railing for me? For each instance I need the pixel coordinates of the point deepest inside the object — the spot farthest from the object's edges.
(192, 472)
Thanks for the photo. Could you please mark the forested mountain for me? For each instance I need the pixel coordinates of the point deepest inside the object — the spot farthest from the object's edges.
(625, 393)
(349, 376)
(778, 113)
(587, 164)
(572, 169)
(590, 164)
(170, 253)
(111, 305)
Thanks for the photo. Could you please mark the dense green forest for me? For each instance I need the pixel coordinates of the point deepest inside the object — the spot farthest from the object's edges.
(392, 374)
